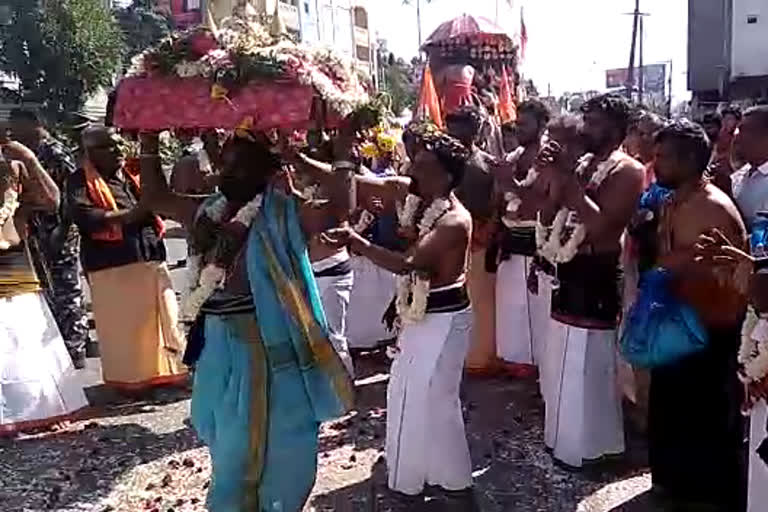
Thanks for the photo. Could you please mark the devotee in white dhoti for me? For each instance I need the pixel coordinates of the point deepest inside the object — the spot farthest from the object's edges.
(38, 383)
(522, 307)
(596, 202)
(426, 442)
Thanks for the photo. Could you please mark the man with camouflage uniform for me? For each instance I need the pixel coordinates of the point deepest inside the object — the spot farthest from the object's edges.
(55, 240)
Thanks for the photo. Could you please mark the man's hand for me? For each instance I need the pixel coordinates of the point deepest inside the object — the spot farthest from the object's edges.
(17, 151)
(339, 237)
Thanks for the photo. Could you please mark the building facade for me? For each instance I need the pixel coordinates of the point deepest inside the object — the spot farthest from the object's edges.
(339, 24)
(727, 50)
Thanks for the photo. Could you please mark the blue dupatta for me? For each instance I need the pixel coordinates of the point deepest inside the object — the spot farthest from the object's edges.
(288, 305)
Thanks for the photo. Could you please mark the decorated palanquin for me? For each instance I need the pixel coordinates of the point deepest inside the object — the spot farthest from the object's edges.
(217, 78)
(467, 54)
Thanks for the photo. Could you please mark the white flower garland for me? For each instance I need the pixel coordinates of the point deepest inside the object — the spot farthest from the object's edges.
(7, 211)
(551, 247)
(365, 220)
(753, 352)
(10, 205)
(211, 276)
(412, 286)
(406, 212)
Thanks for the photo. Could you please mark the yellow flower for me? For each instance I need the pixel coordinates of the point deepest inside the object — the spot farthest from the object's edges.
(369, 150)
(386, 142)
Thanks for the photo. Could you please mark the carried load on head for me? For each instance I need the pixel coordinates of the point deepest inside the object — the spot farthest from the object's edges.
(217, 78)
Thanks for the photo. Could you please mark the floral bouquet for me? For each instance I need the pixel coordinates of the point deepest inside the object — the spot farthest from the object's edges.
(214, 79)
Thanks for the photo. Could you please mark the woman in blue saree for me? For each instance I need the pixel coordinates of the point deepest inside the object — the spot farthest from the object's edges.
(267, 374)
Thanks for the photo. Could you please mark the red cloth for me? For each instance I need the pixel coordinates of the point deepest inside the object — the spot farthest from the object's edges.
(457, 94)
(162, 102)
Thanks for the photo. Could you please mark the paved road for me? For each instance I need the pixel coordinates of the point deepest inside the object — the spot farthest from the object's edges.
(130, 456)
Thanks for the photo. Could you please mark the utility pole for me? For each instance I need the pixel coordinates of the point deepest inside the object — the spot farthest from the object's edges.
(631, 69)
(641, 70)
(637, 29)
(418, 21)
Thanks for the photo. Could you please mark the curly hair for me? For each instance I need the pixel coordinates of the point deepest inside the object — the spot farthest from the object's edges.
(451, 154)
(690, 139)
(471, 114)
(537, 108)
(417, 129)
(613, 106)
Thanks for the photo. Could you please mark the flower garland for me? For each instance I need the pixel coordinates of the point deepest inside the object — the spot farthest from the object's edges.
(241, 52)
(412, 288)
(10, 205)
(549, 239)
(213, 274)
(514, 202)
(753, 352)
(364, 222)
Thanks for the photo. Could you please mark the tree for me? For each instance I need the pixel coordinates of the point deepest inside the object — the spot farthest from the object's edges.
(141, 28)
(61, 51)
(400, 79)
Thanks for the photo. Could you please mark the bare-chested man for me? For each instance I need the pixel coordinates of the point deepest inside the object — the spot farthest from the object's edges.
(521, 316)
(426, 443)
(583, 406)
(715, 249)
(475, 192)
(695, 429)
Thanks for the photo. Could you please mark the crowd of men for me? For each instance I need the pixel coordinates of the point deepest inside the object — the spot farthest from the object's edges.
(519, 259)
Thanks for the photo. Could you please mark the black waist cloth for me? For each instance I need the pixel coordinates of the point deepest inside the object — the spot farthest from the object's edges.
(220, 303)
(696, 431)
(451, 300)
(589, 289)
(448, 301)
(520, 241)
(340, 269)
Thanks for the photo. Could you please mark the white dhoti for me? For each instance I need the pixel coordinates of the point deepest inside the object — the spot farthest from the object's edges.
(426, 442)
(522, 318)
(335, 291)
(758, 469)
(373, 292)
(583, 402)
(38, 384)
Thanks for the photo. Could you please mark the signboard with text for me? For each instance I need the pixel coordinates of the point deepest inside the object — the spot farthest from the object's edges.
(654, 78)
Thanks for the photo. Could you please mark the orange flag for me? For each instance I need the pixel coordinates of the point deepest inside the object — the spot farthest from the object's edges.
(507, 107)
(429, 102)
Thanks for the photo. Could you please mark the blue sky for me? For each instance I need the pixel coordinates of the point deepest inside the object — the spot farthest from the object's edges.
(571, 42)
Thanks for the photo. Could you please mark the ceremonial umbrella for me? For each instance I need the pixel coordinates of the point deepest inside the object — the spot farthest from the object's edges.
(468, 29)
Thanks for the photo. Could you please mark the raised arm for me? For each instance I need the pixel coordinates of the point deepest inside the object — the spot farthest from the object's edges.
(38, 190)
(613, 214)
(156, 195)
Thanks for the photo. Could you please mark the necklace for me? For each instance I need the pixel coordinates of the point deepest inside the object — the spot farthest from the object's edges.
(551, 242)
(204, 280)
(413, 288)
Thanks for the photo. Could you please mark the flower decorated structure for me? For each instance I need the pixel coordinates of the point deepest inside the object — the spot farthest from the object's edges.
(237, 57)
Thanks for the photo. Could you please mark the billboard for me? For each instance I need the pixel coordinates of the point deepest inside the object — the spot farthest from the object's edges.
(654, 78)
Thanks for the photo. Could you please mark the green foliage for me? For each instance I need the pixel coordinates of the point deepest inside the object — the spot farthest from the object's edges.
(60, 50)
(141, 28)
(400, 79)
